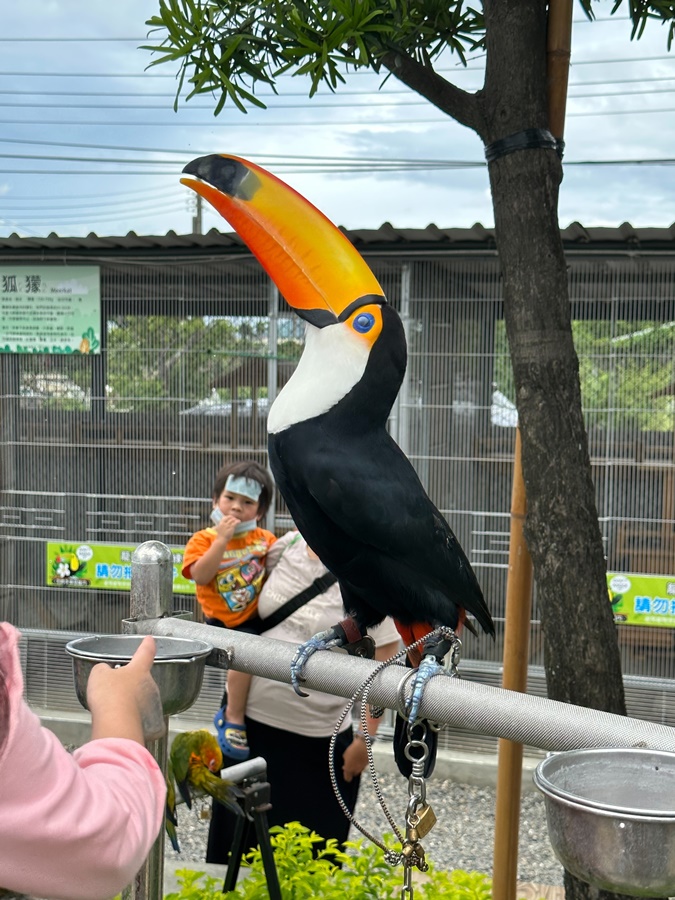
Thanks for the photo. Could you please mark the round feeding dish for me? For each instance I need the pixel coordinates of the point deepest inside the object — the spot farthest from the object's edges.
(611, 817)
(178, 668)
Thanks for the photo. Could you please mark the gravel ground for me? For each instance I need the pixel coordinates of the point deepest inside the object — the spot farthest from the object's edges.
(462, 838)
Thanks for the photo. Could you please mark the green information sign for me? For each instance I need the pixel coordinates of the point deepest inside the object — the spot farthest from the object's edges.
(50, 309)
(102, 567)
(642, 599)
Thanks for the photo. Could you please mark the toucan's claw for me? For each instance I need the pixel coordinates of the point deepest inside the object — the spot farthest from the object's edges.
(324, 640)
(429, 667)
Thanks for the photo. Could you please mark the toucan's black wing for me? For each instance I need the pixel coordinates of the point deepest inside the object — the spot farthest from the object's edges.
(361, 506)
(366, 487)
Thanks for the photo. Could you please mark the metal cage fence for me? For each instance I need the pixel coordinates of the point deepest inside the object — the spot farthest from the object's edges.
(123, 445)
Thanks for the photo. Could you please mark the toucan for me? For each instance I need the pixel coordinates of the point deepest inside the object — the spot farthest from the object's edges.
(353, 494)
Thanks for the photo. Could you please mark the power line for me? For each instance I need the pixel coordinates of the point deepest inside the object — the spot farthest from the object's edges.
(96, 172)
(266, 93)
(194, 152)
(99, 217)
(15, 74)
(149, 192)
(347, 167)
(601, 95)
(303, 160)
(65, 40)
(344, 165)
(309, 104)
(107, 203)
(90, 159)
(389, 125)
(359, 72)
(620, 112)
(373, 97)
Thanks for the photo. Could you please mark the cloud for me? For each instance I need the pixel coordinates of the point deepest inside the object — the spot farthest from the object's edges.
(93, 198)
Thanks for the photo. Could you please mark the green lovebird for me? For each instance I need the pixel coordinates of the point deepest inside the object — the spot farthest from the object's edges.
(195, 761)
(170, 820)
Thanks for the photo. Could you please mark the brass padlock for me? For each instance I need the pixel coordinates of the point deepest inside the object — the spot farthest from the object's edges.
(426, 819)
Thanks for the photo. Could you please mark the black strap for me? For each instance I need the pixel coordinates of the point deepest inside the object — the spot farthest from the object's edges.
(529, 139)
(318, 586)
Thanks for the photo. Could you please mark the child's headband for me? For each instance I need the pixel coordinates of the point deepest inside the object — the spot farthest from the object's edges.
(249, 487)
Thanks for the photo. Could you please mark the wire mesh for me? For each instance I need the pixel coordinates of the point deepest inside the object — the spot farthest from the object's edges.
(122, 446)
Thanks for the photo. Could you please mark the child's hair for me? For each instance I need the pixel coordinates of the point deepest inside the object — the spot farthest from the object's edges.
(248, 468)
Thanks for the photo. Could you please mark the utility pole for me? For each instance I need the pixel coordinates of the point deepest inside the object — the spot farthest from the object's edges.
(197, 218)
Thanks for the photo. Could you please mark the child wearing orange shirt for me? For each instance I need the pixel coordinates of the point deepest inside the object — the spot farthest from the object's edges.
(227, 563)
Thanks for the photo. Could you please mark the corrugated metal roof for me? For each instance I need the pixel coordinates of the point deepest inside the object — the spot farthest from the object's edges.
(384, 239)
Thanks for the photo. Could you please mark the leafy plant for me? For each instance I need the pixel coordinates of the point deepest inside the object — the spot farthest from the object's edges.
(307, 874)
(456, 885)
(197, 886)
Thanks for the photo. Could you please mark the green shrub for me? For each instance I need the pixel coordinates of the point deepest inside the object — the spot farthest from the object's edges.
(302, 876)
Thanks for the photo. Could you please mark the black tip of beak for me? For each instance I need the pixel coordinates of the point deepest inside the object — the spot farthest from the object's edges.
(230, 176)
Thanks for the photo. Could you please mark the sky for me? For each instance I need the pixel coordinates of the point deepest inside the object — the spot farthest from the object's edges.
(90, 142)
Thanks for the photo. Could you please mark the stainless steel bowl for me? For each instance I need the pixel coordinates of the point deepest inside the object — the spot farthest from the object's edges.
(178, 669)
(611, 817)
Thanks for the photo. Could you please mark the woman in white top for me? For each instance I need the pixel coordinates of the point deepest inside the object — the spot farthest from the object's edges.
(293, 733)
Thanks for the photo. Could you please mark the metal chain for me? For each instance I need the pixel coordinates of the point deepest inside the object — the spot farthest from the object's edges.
(391, 856)
(371, 765)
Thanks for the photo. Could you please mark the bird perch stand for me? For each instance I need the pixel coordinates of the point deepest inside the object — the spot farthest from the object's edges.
(483, 709)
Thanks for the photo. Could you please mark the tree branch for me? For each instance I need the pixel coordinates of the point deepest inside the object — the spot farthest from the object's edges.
(462, 106)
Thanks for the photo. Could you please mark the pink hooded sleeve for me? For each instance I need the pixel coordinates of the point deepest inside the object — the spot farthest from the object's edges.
(72, 827)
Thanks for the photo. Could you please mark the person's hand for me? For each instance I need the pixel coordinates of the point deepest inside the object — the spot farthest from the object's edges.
(125, 702)
(225, 528)
(354, 759)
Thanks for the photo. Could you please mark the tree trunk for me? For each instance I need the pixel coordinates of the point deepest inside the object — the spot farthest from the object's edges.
(581, 652)
(582, 660)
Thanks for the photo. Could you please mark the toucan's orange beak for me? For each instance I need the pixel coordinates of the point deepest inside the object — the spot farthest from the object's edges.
(312, 263)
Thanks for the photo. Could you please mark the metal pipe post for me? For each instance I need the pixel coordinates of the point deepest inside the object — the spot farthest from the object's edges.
(151, 598)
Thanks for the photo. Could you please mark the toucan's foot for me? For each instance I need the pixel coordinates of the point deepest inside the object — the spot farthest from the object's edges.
(346, 634)
(429, 667)
(431, 664)
(324, 640)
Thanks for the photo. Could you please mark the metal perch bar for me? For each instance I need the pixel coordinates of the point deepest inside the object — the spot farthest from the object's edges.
(480, 708)
(536, 721)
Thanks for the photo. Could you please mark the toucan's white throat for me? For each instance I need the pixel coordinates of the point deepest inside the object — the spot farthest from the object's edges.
(333, 361)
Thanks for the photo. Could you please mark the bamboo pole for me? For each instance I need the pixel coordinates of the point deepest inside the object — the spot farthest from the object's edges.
(514, 678)
(519, 585)
(558, 52)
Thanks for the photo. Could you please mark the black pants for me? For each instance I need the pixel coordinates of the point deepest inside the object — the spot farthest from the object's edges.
(301, 791)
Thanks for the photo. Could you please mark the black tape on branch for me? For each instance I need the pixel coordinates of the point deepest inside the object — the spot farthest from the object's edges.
(529, 139)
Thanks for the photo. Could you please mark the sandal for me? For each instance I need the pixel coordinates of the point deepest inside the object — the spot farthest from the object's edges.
(231, 737)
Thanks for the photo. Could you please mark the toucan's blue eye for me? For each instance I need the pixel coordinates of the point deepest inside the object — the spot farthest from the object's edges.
(364, 322)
